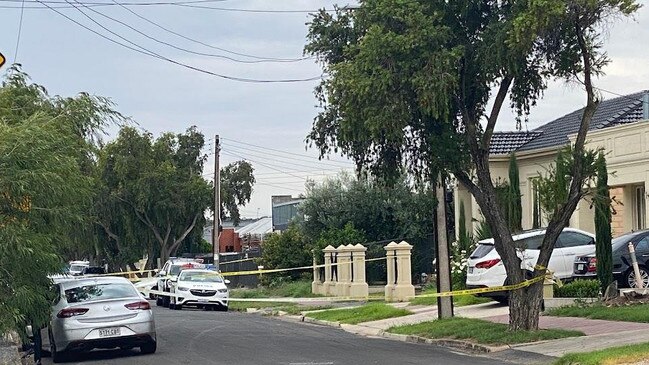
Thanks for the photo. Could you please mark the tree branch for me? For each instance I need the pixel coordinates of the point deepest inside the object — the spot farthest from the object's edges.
(495, 111)
(185, 233)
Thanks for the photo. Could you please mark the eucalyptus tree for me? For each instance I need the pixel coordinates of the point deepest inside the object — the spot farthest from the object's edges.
(421, 85)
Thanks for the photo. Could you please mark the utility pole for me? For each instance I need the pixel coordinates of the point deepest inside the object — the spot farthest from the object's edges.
(444, 304)
(216, 228)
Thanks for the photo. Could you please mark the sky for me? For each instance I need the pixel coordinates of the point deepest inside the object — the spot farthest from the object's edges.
(265, 123)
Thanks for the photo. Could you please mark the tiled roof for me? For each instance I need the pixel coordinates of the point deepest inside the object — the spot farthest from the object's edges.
(503, 143)
(612, 112)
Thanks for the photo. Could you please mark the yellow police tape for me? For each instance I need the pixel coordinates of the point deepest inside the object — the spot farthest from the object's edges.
(269, 271)
(520, 285)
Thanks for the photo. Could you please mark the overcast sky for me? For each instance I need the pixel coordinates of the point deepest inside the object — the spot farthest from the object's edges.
(275, 118)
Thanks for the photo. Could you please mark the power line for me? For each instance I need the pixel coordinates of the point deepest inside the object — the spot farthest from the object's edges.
(289, 163)
(258, 58)
(155, 55)
(262, 164)
(20, 29)
(303, 158)
(167, 43)
(285, 152)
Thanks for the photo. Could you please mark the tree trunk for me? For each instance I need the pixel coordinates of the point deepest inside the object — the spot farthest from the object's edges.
(525, 308)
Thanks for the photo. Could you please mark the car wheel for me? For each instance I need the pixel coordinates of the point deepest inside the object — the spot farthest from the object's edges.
(222, 308)
(149, 348)
(158, 301)
(166, 301)
(644, 274)
(502, 300)
(178, 307)
(57, 356)
(172, 306)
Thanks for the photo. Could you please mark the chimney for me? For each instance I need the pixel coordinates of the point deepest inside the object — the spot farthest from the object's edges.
(645, 105)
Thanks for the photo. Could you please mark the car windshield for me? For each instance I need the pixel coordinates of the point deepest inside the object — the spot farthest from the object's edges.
(93, 292)
(201, 277)
(77, 267)
(623, 240)
(175, 269)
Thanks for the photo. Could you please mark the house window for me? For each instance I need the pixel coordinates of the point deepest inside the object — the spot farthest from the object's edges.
(639, 208)
(536, 204)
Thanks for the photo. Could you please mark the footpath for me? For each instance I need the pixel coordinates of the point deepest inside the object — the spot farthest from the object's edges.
(599, 334)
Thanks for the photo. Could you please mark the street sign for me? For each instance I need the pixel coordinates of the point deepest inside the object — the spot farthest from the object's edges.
(2, 60)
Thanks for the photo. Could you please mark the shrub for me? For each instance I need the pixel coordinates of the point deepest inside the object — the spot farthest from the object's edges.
(578, 289)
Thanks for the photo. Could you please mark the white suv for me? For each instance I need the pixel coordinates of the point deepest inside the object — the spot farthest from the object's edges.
(170, 270)
(485, 269)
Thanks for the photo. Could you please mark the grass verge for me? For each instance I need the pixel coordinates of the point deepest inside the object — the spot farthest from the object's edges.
(479, 331)
(290, 308)
(616, 355)
(459, 301)
(631, 313)
(292, 289)
(365, 313)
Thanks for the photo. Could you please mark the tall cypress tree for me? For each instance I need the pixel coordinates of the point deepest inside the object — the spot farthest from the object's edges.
(515, 209)
(463, 236)
(603, 226)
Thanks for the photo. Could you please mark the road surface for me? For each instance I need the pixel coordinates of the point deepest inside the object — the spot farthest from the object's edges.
(200, 337)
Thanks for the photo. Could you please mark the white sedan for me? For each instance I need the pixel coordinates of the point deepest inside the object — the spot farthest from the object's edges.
(200, 288)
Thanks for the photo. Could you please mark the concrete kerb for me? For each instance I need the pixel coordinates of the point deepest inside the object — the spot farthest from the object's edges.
(374, 332)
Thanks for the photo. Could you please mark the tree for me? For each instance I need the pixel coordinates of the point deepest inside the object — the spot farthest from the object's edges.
(237, 180)
(286, 250)
(46, 193)
(409, 84)
(381, 213)
(160, 183)
(514, 204)
(603, 249)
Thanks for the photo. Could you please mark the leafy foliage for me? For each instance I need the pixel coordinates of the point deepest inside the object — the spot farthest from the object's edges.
(578, 289)
(46, 149)
(603, 236)
(514, 204)
(286, 250)
(237, 181)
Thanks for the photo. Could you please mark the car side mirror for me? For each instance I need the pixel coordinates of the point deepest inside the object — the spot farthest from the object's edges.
(29, 331)
(173, 280)
(226, 281)
(162, 273)
(592, 242)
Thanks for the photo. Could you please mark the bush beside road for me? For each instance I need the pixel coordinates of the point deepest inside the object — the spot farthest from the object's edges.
(631, 313)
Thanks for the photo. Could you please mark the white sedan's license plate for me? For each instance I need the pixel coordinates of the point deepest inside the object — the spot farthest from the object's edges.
(110, 332)
(470, 270)
(580, 267)
(203, 300)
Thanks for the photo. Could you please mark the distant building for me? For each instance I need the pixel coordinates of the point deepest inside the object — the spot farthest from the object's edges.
(284, 210)
(248, 235)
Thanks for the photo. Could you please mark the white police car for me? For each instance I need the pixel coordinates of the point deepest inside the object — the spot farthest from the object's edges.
(202, 288)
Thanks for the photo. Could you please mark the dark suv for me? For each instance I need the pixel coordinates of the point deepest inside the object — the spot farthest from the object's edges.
(586, 266)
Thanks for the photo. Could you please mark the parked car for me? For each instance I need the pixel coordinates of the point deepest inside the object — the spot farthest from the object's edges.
(485, 269)
(200, 288)
(586, 266)
(76, 267)
(93, 270)
(99, 312)
(169, 270)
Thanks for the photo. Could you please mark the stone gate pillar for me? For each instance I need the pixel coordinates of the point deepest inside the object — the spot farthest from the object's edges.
(390, 264)
(344, 274)
(358, 287)
(316, 284)
(329, 283)
(399, 256)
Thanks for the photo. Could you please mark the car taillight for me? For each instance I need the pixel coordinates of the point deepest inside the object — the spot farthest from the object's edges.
(143, 305)
(592, 264)
(71, 312)
(487, 264)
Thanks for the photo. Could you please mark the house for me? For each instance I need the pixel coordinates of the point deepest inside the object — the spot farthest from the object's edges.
(249, 234)
(284, 210)
(620, 126)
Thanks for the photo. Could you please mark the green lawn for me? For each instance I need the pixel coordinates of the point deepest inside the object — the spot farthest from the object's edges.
(631, 313)
(479, 331)
(290, 308)
(459, 301)
(293, 289)
(616, 355)
(365, 313)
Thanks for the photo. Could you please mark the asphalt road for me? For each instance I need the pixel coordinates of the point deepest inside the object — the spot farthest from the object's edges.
(200, 337)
